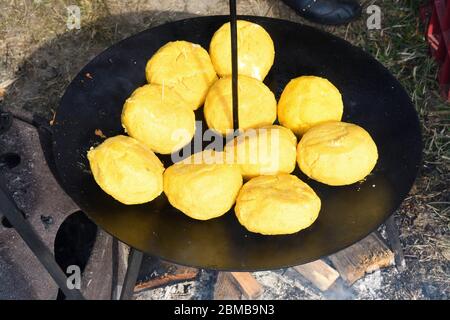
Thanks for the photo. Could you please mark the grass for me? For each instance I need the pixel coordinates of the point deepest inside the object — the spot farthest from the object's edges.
(408, 59)
(401, 47)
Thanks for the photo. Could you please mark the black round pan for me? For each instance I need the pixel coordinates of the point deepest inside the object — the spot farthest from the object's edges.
(372, 97)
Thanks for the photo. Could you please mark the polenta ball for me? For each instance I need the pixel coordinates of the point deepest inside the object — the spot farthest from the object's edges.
(257, 105)
(156, 116)
(276, 205)
(265, 151)
(202, 190)
(307, 101)
(127, 170)
(255, 47)
(337, 153)
(186, 68)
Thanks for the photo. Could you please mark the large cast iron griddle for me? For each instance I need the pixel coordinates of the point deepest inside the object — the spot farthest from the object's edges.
(373, 99)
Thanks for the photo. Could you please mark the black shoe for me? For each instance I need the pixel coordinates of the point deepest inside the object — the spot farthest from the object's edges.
(331, 12)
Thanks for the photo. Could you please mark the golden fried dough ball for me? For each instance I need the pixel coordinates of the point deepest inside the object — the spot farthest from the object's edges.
(202, 190)
(185, 67)
(307, 101)
(337, 153)
(127, 170)
(156, 116)
(279, 204)
(257, 105)
(256, 51)
(264, 151)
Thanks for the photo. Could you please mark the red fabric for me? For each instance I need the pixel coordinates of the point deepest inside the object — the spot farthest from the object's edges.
(437, 17)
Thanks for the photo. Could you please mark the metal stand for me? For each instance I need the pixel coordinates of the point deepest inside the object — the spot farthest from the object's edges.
(9, 209)
(134, 264)
(394, 241)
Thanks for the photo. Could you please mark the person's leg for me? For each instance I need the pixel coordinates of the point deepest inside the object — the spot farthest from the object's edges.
(332, 12)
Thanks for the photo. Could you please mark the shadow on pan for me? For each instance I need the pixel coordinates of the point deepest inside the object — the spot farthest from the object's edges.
(373, 99)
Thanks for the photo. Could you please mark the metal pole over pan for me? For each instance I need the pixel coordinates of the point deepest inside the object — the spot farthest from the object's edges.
(234, 64)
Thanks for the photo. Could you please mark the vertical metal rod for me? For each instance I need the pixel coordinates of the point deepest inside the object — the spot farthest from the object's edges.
(115, 272)
(9, 209)
(234, 63)
(134, 265)
(394, 240)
